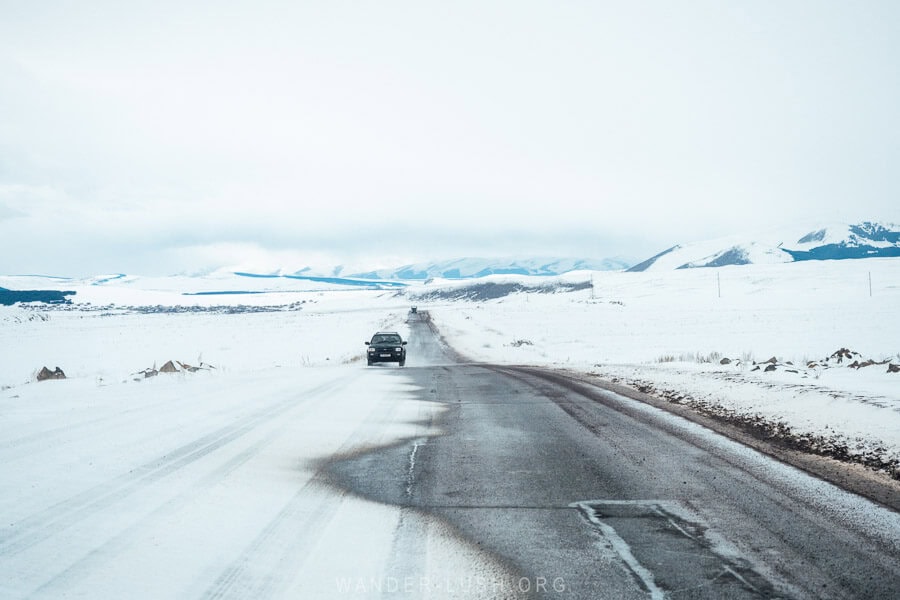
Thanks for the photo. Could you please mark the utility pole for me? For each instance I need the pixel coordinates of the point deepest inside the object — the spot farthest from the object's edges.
(870, 284)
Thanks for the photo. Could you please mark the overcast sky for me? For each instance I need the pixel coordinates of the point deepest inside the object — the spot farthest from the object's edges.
(171, 136)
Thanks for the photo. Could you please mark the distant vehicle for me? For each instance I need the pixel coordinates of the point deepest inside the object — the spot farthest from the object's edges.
(414, 310)
(386, 346)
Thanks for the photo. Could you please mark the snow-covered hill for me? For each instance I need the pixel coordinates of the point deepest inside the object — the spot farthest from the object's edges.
(462, 268)
(831, 242)
(265, 284)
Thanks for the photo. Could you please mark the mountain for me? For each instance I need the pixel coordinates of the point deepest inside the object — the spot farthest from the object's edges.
(464, 268)
(832, 242)
(865, 240)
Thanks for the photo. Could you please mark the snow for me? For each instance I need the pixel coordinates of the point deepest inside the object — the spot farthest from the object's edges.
(110, 463)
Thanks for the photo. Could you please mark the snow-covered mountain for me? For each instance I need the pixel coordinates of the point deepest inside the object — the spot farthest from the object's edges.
(831, 242)
(463, 268)
(854, 241)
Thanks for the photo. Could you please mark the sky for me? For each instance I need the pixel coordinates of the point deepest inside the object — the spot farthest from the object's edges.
(161, 137)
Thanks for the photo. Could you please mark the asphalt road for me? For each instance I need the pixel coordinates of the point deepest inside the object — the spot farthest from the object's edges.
(586, 494)
(437, 480)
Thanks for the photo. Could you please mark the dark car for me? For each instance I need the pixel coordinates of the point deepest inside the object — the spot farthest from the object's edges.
(386, 346)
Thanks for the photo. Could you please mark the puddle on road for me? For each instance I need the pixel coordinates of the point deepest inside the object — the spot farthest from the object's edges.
(648, 534)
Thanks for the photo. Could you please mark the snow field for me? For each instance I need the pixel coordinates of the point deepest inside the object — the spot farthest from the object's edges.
(208, 484)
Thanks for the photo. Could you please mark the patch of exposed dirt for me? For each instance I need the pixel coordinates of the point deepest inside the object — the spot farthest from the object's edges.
(862, 470)
(777, 432)
(479, 292)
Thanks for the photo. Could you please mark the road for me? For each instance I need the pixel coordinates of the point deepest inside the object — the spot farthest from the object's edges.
(585, 494)
(438, 480)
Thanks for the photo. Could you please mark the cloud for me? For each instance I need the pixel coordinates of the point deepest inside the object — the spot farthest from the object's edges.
(9, 213)
(140, 134)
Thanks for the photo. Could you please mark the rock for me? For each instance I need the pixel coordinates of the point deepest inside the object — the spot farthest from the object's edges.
(45, 374)
(892, 368)
(843, 353)
(770, 368)
(756, 368)
(174, 366)
(725, 361)
(772, 361)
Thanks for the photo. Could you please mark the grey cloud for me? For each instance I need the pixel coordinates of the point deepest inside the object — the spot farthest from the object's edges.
(7, 212)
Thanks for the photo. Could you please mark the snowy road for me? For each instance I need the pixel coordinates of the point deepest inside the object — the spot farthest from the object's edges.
(440, 480)
(208, 487)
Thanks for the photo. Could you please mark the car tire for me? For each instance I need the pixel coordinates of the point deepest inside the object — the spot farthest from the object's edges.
(402, 363)
(369, 363)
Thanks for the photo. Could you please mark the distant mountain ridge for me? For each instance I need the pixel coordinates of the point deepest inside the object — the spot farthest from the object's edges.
(832, 242)
(467, 268)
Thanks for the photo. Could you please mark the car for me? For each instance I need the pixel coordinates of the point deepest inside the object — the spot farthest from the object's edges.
(386, 346)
